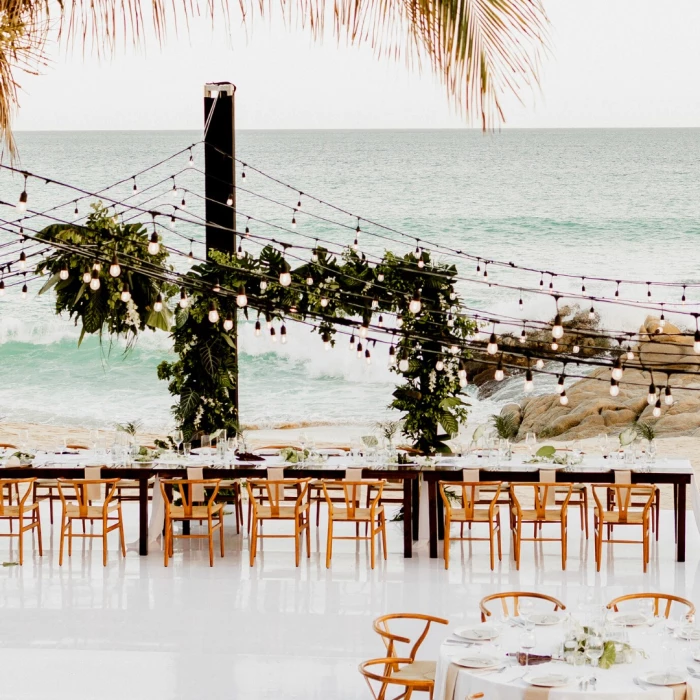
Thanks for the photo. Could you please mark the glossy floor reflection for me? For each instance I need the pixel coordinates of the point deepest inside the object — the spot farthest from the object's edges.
(137, 630)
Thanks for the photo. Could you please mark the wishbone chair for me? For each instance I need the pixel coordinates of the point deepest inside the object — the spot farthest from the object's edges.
(515, 596)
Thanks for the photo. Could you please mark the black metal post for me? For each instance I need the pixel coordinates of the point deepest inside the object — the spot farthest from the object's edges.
(220, 179)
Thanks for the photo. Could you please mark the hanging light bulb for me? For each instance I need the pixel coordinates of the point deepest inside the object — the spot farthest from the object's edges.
(399, 321)
(2, 288)
(115, 269)
(94, 280)
(415, 306)
(617, 369)
(247, 228)
(539, 364)
(184, 301)
(462, 373)
(22, 203)
(421, 264)
(450, 321)
(523, 336)
(453, 295)
(564, 399)
(560, 384)
(183, 203)
(135, 188)
(351, 344)
(492, 347)
(662, 320)
(454, 349)
(285, 278)
(241, 298)
(380, 321)
(651, 396)
(314, 255)
(75, 211)
(126, 294)
(243, 173)
(499, 374)
(403, 364)
(557, 328)
(375, 303)
(359, 349)
(324, 301)
(326, 341)
(213, 313)
(555, 345)
(173, 191)
(158, 305)
(657, 409)
(417, 252)
(263, 285)
(309, 280)
(257, 329)
(153, 245)
(380, 277)
(190, 162)
(630, 354)
(294, 219)
(172, 222)
(439, 365)
(591, 314)
(368, 357)
(529, 384)
(64, 274)
(216, 288)
(696, 342)
(228, 322)
(97, 265)
(22, 261)
(668, 396)
(239, 253)
(576, 349)
(614, 388)
(273, 335)
(392, 356)
(229, 201)
(24, 291)
(364, 328)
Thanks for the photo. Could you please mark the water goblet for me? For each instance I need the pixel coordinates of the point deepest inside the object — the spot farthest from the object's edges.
(594, 648)
(527, 644)
(531, 443)
(205, 442)
(187, 449)
(94, 437)
(603, 445)
(178, 438)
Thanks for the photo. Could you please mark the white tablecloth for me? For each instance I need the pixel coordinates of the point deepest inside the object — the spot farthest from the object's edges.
(615, 683)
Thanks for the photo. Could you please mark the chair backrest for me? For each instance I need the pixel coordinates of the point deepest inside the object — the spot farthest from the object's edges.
(82, 491)
(382, 676)
(352, 493)
(271, 492)
(514, 598)
(77, 447)
(7, 445)
(187, 489)
(391, 639)
(21, 488)
(468, 493)
(657, 598)
(543, 497)
(622, 501)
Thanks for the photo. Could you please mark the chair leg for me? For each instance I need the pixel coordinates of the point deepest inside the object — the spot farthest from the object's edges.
(51, 504)
(21, 539)
(491, 533)
(38, 532)
(383, 521)
(221, 530)
(658, 510)
(70, 536)
(254, 537)
(63, 533)
(104, 541)
(446, 541)
(210, 538)
(297, 541)
(372, 546)
(329, 542)
(121, 531)
(307, 520)
(563, 545)
(498, 524)
(518, 530)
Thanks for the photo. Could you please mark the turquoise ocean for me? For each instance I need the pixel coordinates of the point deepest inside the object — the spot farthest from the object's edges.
(616, 203)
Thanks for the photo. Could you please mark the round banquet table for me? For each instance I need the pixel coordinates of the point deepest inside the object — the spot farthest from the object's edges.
(663, 649)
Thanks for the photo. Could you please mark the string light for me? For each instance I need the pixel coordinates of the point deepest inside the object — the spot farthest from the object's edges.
(560, 384)
(499, 374)
(213, 312)
(617, 289)
(273, 335)
(184, 301)
(450, 321)
(523, 335)
(324, 301)
(380, 277)
(135, 188)
(64, 274)
(630, 354)
(617, 369)
(657, 409)
(683, 297)
(153, 244)
(228, 322)
(285, 278)
(173, 223)
(668, 396)
(75, 211)
(283, 334)
(583, 285)
(359, 349)
(368, 357)
(239, 253)
(591, 314)
(417, 252)
(183, 203)
(648, 290)
(309, 281)
(216, 288)
(364, 328)
(243, 171)
(190, 162)
(555, 345)
(126, 294)
(326, 341)
(539, 364)
(314, 255)
(392, 356)
(173, 191)
(247, 228)
(115, 269)
(263, 285)
(439, 365)
(492, 347)
(94, 280)
(577, 348)
(158, 305)
(662, 318)
(529, 384)
(403, 364)
(2, 288)
(229, 200)
(557, 328)
(415, 306)
(564, 399)
(351, 343)
(294, 219)
(257, 329)
(22, 203)
(22, 261)
(614, 388)
(241, 298)
(24, 291)
(651, 396)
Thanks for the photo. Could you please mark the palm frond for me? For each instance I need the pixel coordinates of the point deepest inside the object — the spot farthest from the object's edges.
(505, 425)
(646, 431)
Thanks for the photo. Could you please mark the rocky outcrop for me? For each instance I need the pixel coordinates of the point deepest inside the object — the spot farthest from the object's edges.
(591, 410)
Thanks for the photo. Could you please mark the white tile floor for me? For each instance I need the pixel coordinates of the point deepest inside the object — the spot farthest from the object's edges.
(138, 630)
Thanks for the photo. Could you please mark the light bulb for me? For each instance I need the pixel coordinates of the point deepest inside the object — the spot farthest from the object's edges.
(359, 349)
(492, 347)
(557, 328)
(351, 344)
(617, 369)
(294, 221)
(453, 296)
(239, 253)
(529, 385)
(555, 345)
(158, 305)
(564, 399)
(64, 274)
(94, 280)
(183, 203)
(2, 288)
(463, 383)
(630, 354)
(576, 349)
(184, 301)
(399, 321)
(417, 252)
(499, 374)
(657, 409)
(97, 265)
(263, 285)
(363, 330)
(368, 357)
(439, 365)
(324, 302)
(309, 280)
(126, 294)
(380, 321)
(450, 321)
(213, 313)
(539, 363)
(285, 279)
(229, 201)
(668, 397)
(24, 291)
(173, 192)
(87, 276)
(696, 342)
(153, 245)
(651, 396)
(135, 188)
(314, 256)
(662, 321)
(614, 388)
(172, 222)
(190, 162)
(115, 269)
(241, 298)
(22, 204)
(392, 356)
(326, 341)
(283, 334)
(462, 373)
(560, 384)
(228, 322)
(257, 329)
(273, 335)
(591, 314)
(380, 277)
(403, 364)
(375, 303)
(22, 261)
(415, 305)
(523, 337)
(421, 264)
(454, 349)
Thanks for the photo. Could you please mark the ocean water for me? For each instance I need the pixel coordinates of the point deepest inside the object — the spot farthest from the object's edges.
(616, 203)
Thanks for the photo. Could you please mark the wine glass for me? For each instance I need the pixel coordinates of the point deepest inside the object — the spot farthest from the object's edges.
(178, 438)
(205, 442)
(594, 648)
(303, 440)
(531, 443)
(94, 437)
(603, 445)
(527, 643)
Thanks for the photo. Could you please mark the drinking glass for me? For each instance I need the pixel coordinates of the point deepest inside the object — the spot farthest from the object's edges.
(232, 445)
(187, 449)
(594, 648)
(531, 443)
(527, 644)
(205, 442)
(178, 438)
(603, 445)
(94, 437)
(303, 440)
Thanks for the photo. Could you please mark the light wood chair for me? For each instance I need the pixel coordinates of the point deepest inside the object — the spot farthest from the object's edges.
(7, 446)
(638, 500)
(546, 510)
(374, 516)
(513, 597)
(25, 513)
(579, 497)
(468, 494)
(188, 510)
(405, 665)
(109, 513)
(657, 598)
(390, 672)
(267, 497)
(618, 513)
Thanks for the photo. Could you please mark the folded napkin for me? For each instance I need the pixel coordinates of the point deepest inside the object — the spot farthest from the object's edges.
(533, 692)
(684, 691)
(451, 681)
(549, 476)
(196, 473)
(623, 476)
(353, 474)
(530, 659)
(94, 491)
(249, 457)
(276, 474)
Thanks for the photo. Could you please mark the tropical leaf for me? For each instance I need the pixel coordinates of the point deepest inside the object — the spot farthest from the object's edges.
(546, 451)
(449, 423)
(210, 361)
(54, 279)
(189, 401)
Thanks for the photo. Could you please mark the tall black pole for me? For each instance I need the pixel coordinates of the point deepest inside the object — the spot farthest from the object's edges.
(219, 181)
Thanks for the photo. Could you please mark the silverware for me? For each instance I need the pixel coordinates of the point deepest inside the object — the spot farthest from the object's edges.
(593, 681)
(693, 671)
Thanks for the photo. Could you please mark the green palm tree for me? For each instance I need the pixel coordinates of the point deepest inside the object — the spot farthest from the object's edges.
(480, 49)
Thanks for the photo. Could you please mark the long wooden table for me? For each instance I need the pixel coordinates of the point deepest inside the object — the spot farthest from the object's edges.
(408, 474)
(679, 480)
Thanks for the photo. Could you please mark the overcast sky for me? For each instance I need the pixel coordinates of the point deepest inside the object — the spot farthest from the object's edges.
(614, 63)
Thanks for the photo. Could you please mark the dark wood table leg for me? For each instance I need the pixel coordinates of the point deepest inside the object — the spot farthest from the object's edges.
(415, 487)
(680, 551)
(143, 516)
(407, 518)
(440, 517)
(432, 517)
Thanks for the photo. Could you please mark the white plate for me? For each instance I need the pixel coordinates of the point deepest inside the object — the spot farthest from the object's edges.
(482, 633)
(547, 680)
(545, 619)
(630, 619)
(688, 635)
(480, 662)
(661, 678)
(203, 451)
